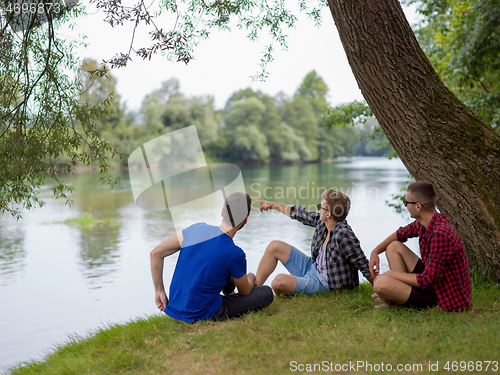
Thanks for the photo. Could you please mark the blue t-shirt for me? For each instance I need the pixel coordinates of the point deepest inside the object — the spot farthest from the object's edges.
(207, 258)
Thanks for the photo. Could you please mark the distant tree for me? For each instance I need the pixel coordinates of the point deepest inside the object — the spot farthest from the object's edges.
(150, 113)
(373, 142)
(306, 114)
(243, 139)
(117, 125)
(335, 142)
(167, 109)
(169, 88)
(99, 90)
(180, 112)
(294, 147)
(313, 89)
(270, 121)
(126, 134)
(299, 114)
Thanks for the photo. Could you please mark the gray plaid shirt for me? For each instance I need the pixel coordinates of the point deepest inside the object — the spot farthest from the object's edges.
(344, 256)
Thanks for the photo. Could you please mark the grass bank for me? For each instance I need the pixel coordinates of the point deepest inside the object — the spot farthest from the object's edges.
(335, 333)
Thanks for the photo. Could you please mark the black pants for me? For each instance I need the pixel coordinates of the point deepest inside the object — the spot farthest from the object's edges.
(419, 298)
(236, 305)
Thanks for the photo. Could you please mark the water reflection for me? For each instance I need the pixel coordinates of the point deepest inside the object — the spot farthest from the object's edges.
(12, 252)
(99, 241)
(99, 254)
(158, 224)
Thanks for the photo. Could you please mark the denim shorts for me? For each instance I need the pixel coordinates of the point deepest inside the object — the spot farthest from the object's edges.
(305, 271)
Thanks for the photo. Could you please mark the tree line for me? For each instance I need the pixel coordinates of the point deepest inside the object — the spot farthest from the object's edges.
(253, 127)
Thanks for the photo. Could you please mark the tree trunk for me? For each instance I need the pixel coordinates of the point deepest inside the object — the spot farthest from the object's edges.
(438, 139)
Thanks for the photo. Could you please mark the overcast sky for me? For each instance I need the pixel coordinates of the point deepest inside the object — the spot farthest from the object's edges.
(225, 63)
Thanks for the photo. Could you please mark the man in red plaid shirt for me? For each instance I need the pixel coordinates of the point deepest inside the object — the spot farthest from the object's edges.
(442, 275)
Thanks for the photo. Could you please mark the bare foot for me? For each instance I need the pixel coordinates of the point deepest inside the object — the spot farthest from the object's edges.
(387, 306)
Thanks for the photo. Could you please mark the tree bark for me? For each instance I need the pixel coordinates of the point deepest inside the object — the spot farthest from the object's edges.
(436, 136)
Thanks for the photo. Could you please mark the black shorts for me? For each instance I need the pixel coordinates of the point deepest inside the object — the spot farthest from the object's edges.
(420, 298)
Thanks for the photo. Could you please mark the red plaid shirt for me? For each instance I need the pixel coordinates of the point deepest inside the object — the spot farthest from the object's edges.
(446, 266)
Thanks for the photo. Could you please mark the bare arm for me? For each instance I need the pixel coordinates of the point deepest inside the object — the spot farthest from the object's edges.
(165, 249)
(407, 278)
(374, 259)
(245, 284)
(265, 205)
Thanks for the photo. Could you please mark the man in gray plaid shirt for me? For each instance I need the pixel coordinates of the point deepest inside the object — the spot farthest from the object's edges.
(336, 255)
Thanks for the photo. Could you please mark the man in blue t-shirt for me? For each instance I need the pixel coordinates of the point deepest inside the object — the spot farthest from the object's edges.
(209, 262)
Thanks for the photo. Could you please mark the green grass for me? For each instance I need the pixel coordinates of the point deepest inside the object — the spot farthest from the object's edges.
(89, 221)
(338, 328)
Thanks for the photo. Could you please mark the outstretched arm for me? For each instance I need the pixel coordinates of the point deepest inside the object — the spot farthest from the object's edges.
(265, 205)
(166, 248)
(374, 259)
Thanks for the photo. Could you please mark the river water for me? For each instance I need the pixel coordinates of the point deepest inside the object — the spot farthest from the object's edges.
(59, 280)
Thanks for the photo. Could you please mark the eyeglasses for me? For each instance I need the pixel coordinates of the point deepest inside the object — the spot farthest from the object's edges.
(321, 208)
(405, 202)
